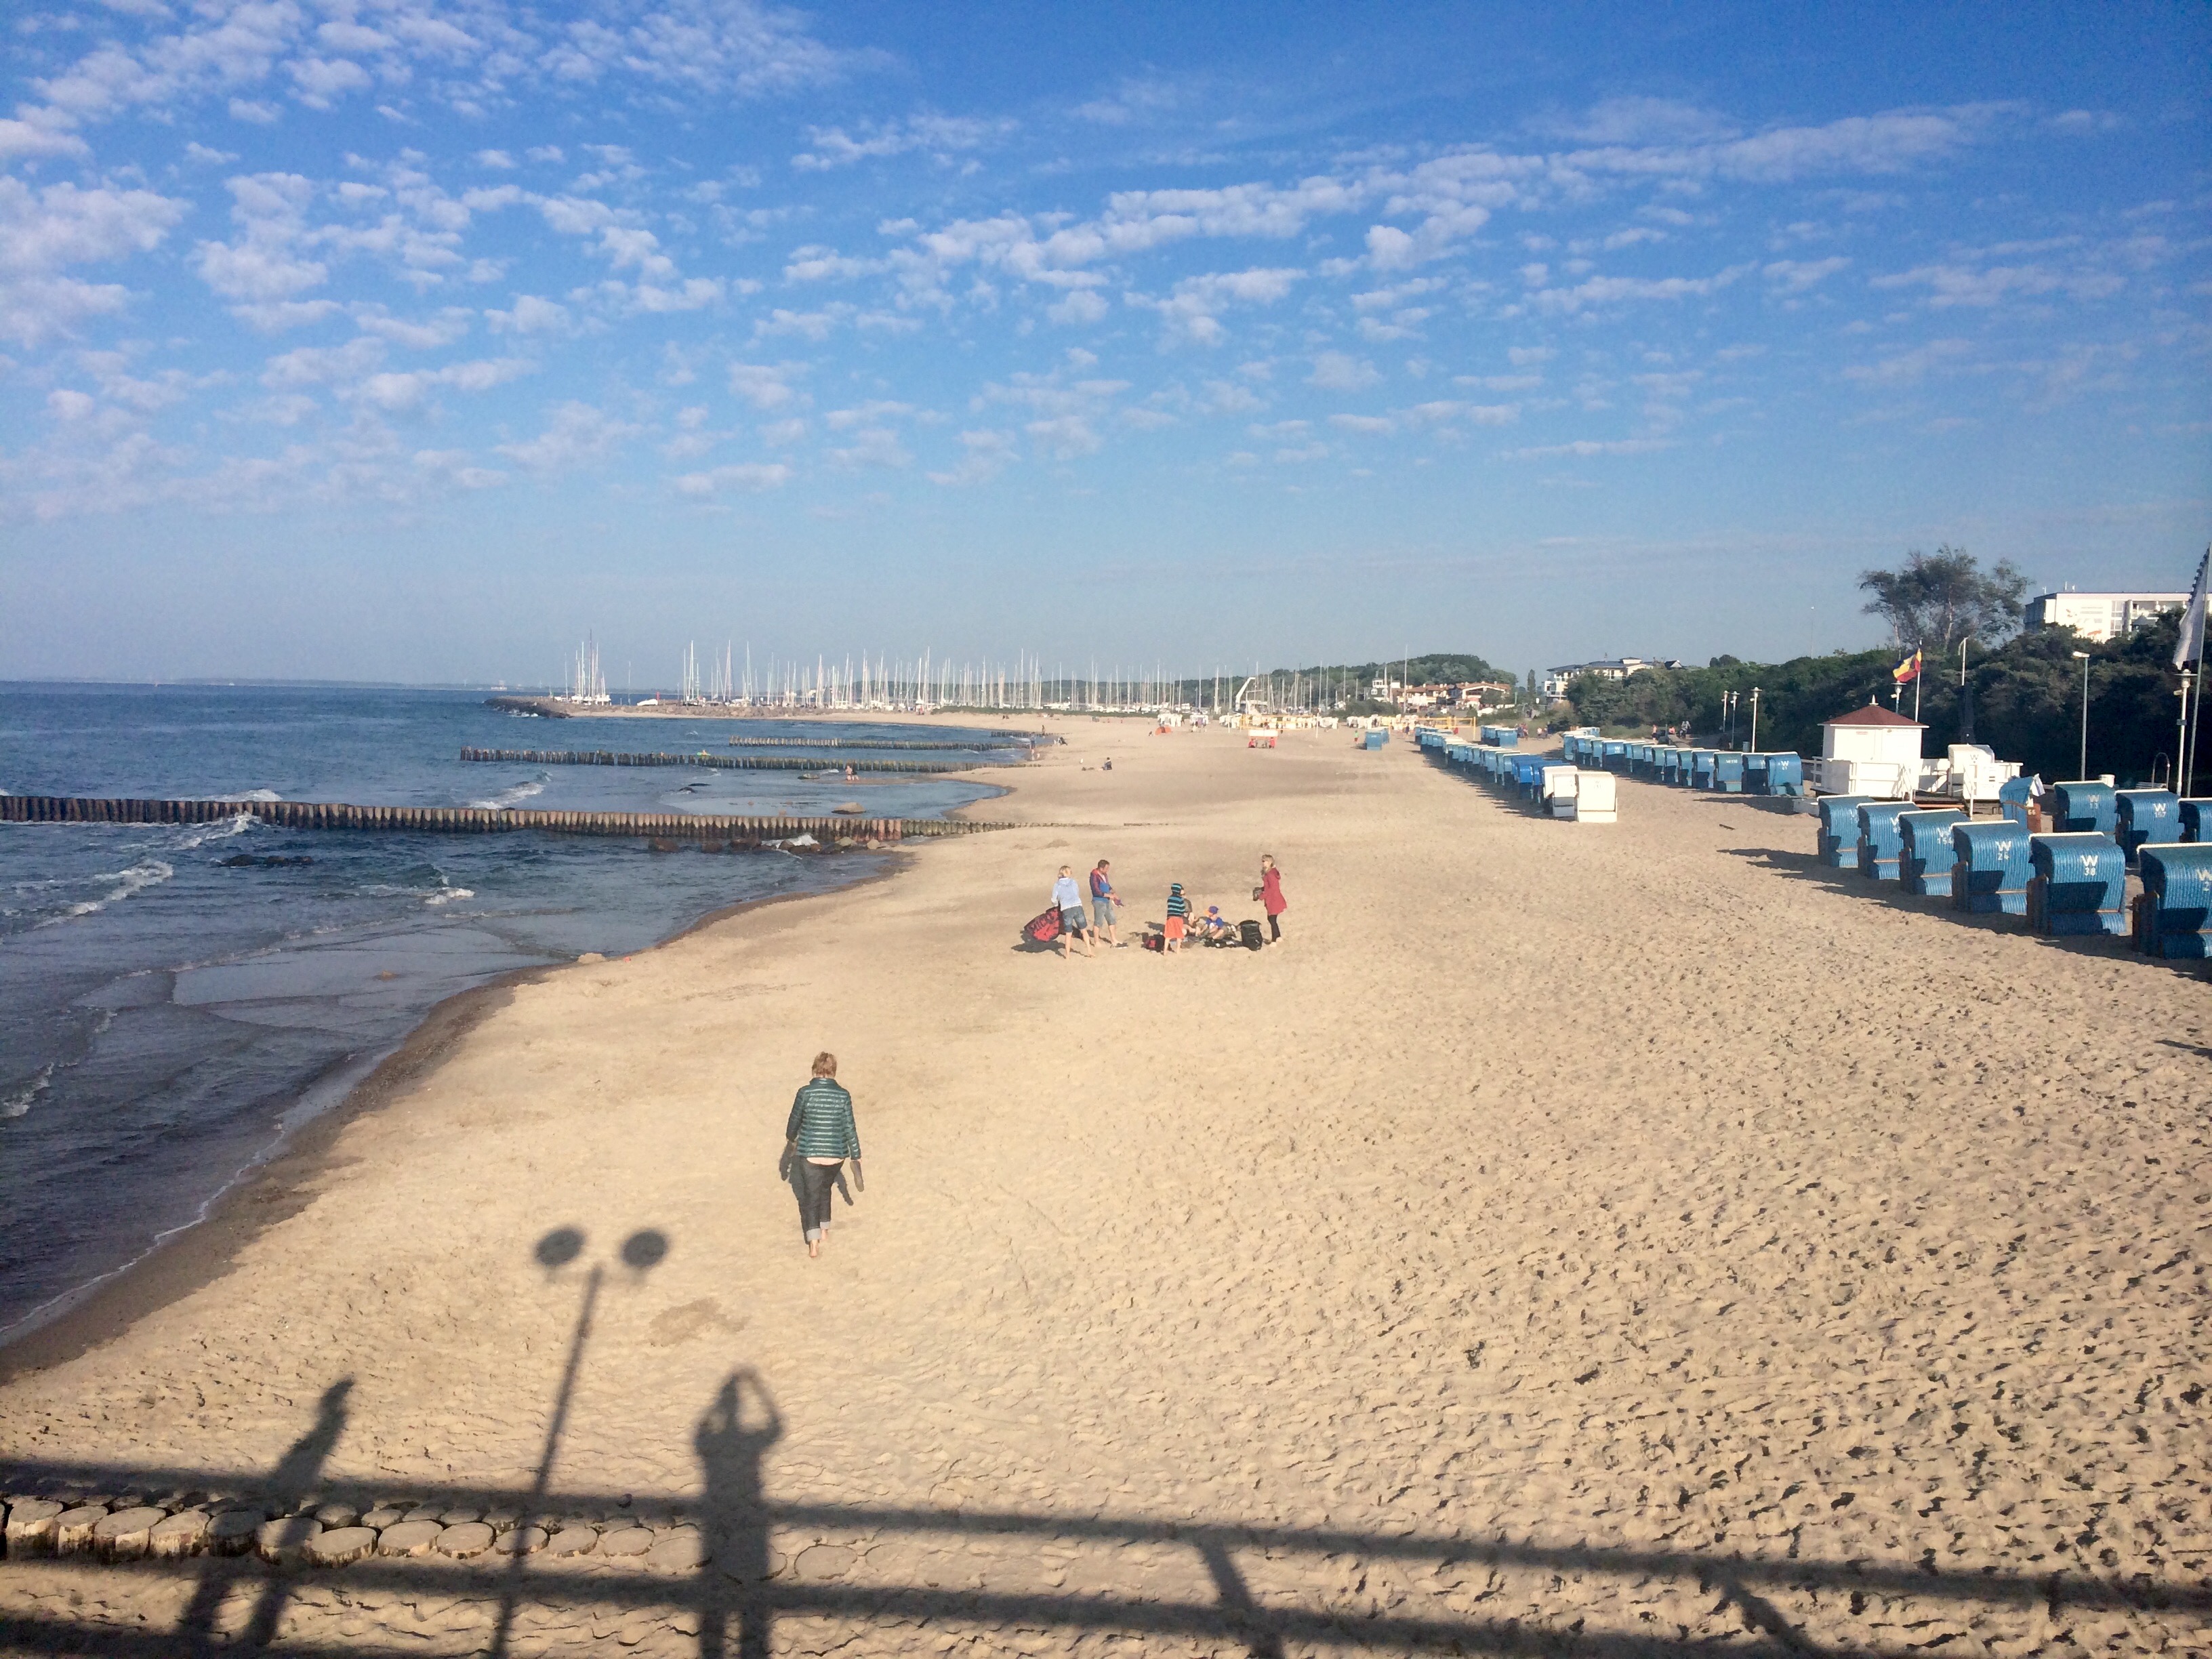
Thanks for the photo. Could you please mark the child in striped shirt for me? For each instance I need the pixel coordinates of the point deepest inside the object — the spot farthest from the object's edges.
(1178, 916)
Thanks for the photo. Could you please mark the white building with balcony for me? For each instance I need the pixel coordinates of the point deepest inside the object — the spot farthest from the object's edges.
(2098, 616)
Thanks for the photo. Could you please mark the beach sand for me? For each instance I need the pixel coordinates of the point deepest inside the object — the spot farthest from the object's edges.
(1574, 1238)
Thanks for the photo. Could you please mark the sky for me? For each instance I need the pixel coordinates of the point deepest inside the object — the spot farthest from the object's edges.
(385, 339)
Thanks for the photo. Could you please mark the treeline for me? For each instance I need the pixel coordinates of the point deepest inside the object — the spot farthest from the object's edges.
(2026, 698)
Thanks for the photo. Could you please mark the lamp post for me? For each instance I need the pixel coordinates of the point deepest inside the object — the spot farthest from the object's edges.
(1754, 719)
(2084, 656)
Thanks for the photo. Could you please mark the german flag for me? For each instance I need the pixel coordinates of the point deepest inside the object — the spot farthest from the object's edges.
(1907, 672)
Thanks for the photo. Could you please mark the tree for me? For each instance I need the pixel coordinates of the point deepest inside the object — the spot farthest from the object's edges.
(1938, 599)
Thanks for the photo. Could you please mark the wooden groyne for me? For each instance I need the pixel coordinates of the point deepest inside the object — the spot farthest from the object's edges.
(864, 742)
(685, 827)
(725, 763)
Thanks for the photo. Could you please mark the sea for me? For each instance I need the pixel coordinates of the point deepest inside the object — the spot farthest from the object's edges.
(175, 1000)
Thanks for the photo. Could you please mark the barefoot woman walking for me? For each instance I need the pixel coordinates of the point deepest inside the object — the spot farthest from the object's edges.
(818, 1138)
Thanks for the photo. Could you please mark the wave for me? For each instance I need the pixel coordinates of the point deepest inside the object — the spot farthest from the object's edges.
(237, 794)
(16, 1105)
(136, 879)
(508, 798)
(447, 895)
(222, 831)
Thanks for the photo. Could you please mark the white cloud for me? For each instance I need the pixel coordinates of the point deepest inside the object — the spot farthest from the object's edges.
(941, 137)
(984, 453)
(1951, 285)
(1903, 367)
(457, 467)
(763, 386)
(1192, 311)
(577, 435)
(1079, 307)
(1623, 290)
(872, 445)
(1374, 425)
(530, 315)
(1064, 437)
(43, 232)
(21, 140)
(743, 475)
(1339, 371)
(1585, 447)
(1796, 275)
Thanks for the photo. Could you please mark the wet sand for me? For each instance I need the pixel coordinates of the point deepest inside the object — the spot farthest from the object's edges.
(1619, 1237)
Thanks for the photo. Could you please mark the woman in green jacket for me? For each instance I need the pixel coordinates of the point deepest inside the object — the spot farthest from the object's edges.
(818, 1138)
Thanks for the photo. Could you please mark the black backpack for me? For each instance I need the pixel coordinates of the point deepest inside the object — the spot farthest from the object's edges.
(1248, 932)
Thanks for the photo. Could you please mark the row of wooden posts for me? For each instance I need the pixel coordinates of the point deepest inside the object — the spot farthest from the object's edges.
(473, 820)
(726, 762)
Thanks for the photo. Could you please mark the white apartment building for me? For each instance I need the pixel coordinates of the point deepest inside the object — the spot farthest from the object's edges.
(2099, 615)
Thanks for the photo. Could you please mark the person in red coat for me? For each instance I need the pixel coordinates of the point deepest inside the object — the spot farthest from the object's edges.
(1269, 892)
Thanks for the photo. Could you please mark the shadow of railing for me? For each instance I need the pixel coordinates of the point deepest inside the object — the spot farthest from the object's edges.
(731, 1583)
(738, 1588)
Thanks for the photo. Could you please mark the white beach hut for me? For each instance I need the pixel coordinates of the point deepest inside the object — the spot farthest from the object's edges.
(1872, 751)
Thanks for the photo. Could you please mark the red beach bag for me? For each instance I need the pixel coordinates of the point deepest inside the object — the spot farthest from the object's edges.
(1044, 928)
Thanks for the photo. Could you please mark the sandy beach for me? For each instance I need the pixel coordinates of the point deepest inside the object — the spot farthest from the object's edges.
(1590, 1239)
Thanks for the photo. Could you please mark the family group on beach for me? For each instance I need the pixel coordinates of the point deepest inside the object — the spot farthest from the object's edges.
(820, 1137)
(1075, 924)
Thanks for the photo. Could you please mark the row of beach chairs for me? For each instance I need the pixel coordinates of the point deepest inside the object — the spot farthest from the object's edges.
(1549, 783)
(2070, 879)
(1724, 771)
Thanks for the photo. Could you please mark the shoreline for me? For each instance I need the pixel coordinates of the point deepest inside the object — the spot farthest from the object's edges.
(277, 1182)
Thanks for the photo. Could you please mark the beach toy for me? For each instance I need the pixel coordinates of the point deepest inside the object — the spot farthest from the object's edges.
(1990, 868)
(2082, 807)
(1839, 830)
(1925, 867)
(2195, 818)
(2079, 881)
(2145, 815)
(1881, 843)
(2016, 799)
(2174, 915)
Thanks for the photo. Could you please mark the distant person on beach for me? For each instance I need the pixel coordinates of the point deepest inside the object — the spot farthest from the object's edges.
(1068, 896)
(1103, 903)
(1178, 918)
(819, 1136)
(1269, 892)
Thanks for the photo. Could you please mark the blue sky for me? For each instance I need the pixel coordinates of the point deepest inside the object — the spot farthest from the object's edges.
(366, 339)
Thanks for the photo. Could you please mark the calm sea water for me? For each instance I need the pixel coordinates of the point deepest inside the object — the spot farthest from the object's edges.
(168, 1013)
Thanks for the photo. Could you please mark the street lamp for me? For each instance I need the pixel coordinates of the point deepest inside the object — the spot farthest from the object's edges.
(2084, 656)
(1754, 719)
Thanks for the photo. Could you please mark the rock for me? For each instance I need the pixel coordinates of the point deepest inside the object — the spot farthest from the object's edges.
(183, 1534)
(31, 1527)
(383, 1515)
(677, 1552)
(576, 1539)
(338, 1517)
(525, 1541)
(231, 1532)
(73, 1528)
(499, 1520)
(464, 1540)
(340, 1545)
(629, 1542)
(408, 1538)
(454, 1518)
(125, 1535)
(425, 1512)
(279, 1542)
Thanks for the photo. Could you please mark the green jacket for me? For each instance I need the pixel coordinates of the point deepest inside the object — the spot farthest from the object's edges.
(822, 1121)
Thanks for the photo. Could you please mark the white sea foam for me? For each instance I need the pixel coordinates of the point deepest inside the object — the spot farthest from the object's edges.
(136, 879)
(447, 895)
(16, 1105)
(508, 798)
(222, 831)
